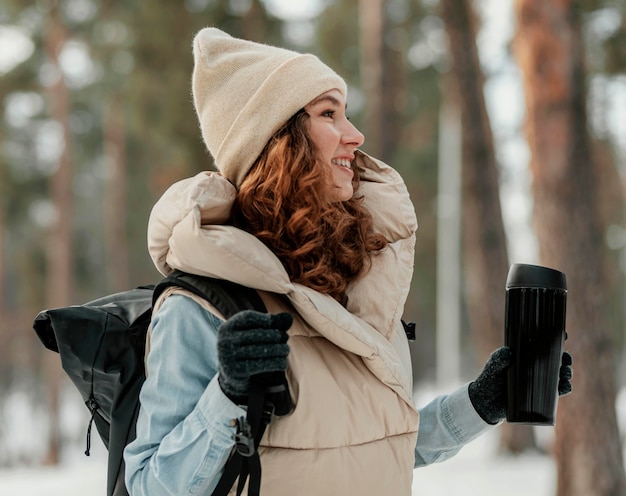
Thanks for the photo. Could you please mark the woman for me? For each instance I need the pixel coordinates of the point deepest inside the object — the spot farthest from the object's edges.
(325, 233)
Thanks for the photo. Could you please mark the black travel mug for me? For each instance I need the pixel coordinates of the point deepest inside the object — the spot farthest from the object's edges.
(535, 331)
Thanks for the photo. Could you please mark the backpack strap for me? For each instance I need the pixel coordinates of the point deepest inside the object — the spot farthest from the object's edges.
(268, 395)
(227, 297)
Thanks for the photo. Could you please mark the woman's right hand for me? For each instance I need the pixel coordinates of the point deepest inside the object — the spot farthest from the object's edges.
(248, 344)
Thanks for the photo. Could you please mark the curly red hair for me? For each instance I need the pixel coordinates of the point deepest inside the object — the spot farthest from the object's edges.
(322, 244)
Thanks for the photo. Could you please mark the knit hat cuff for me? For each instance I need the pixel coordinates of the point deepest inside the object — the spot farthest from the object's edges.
(268, 110)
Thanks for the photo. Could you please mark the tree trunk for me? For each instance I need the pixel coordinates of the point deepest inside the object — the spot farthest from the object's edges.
(252, 22)
(484, 240)
(449, 215)
(115, 205)
(371, 42)
(549, 49)
(5, 329)
(59, 247)
(3, 205)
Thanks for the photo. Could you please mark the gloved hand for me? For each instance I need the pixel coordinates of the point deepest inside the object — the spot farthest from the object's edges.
(248, 344)
(565, 374)
(488, 393)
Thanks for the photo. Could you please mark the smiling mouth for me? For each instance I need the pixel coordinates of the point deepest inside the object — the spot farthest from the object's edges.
(342, 162)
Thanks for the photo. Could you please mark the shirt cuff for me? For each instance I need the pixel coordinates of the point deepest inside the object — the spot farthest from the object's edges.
(215, 410)
(458, 412)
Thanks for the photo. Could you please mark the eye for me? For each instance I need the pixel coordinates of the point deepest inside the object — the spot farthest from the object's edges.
(328, 113)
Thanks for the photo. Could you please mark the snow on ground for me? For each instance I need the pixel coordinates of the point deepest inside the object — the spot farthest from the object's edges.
(476, 470)
(80, 479)
(479, 470)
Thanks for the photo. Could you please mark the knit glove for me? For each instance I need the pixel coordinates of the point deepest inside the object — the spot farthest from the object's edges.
(248, 344)
(565, 374)
(488, 393)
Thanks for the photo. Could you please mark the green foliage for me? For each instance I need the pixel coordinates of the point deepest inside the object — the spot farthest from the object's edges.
(138, 55)
(135, 56)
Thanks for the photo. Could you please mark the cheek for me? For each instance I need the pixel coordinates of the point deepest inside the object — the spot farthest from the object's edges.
(325, 140)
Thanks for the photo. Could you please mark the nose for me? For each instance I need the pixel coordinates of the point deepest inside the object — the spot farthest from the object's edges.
(352, 136)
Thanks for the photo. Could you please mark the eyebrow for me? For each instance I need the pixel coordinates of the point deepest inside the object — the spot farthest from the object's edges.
(328, 98)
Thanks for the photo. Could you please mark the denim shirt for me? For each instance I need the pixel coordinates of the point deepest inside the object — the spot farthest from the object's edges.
(186, 424)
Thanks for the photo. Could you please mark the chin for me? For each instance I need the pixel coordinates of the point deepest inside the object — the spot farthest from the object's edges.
(345, 197)
(341, 193)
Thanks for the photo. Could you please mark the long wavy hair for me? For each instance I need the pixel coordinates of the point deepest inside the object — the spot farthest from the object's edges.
(284, 202)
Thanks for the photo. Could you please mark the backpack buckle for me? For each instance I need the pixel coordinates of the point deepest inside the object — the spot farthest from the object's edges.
(244, 442)
(409, 329)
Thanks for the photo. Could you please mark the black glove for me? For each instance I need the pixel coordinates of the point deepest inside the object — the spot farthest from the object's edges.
(565, 374)
(248, 344)
(488, 393)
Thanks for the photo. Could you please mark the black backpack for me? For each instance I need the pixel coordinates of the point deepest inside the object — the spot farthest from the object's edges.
(102, 344)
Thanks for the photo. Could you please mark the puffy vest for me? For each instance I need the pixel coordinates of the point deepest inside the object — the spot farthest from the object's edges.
(354, 426)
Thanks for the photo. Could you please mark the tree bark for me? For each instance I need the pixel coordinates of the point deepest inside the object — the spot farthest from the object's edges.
(115, 206)
(252, 22)
(484, 239)
(3, 206)
(59, 248)
(549, 49)
(5, 329)
(371, 34)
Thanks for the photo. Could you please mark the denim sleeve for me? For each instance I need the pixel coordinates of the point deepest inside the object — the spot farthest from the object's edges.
(447, 424)
(185, 424)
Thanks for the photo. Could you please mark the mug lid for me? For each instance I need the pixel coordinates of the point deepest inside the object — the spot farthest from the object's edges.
(535, 276)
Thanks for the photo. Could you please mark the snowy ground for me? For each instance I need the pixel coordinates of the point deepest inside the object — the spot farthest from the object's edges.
(478, 470)
(475, 471)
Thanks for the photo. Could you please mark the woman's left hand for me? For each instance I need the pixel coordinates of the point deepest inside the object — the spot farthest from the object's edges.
(488, 393)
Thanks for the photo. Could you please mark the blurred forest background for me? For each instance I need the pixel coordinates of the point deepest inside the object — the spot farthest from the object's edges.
(97, 121)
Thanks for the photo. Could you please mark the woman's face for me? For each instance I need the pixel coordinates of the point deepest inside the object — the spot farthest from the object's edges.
(336, 139)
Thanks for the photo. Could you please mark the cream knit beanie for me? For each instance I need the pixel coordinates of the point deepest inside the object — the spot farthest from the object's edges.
(244, 92)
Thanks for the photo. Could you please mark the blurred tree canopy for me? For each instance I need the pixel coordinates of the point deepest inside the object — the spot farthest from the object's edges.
(127, 67)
